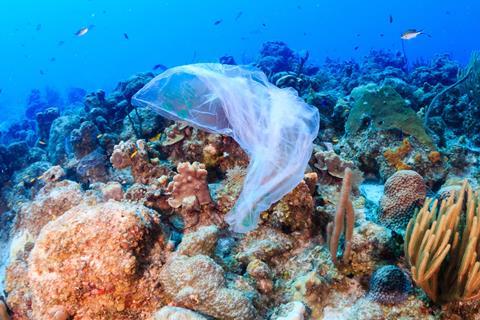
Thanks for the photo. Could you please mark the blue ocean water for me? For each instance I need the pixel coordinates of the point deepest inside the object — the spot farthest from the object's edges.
(40, 49)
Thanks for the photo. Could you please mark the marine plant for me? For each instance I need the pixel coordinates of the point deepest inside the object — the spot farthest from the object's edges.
(441, 246)
(344, 220)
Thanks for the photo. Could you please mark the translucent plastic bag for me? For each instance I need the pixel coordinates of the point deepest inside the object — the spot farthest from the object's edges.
(274, 126)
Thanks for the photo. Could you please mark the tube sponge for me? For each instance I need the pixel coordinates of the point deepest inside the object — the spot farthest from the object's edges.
(274, 126)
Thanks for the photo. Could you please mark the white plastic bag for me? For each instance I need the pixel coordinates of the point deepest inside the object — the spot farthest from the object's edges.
(274, 126)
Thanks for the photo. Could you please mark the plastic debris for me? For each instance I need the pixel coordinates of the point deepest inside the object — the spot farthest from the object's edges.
(274, 126)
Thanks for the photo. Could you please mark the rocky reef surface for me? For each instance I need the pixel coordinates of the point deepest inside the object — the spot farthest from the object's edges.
(112, 212)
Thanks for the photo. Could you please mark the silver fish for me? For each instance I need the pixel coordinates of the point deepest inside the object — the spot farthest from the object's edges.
(411, 34)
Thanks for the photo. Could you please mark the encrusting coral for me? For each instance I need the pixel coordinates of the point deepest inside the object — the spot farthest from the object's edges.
(98, 261)
(441, 246)
(344, 220)
(384, 109)
(395, 156)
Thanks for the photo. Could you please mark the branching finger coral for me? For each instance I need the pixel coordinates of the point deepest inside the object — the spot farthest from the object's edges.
(441, 246)
(344, 220)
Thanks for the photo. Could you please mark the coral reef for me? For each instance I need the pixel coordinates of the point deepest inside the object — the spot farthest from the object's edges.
(108, 211)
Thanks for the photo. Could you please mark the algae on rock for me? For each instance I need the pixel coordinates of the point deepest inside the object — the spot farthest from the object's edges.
(386, 110)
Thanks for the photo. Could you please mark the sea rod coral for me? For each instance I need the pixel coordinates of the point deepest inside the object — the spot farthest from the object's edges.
(441, 247)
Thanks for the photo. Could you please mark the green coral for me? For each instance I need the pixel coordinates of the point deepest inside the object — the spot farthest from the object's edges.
(386, 110)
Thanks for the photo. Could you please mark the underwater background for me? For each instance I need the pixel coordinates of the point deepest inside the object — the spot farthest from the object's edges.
(239, 160)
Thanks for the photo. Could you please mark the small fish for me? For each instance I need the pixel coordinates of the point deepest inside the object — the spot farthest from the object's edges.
(1, 90)
(155, 138)
(53, 59)
(382, 35)
(125, 36)
(42, 142)
(412, 34)
(42, 72)
(100, 135)
(159, 67)
(264, 25)
(83, 31)
(39, 27)
(216, 23)
(358, 34)
(61, 43)
(390, 18)
(356, 48)
(238, 15)
(33, 180)
(133, 154)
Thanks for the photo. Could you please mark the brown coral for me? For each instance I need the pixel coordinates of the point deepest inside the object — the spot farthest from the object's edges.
(404, 190)
(265, 244)
(136, 156)
(51, 201)
(434, 157)
(294, 212)
(98, 262)
(202, 241)
(198, 283)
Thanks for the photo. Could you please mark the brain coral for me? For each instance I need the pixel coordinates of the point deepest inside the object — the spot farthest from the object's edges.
(389, 284)
(98, 262)
(385, 109)
(404, 190)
